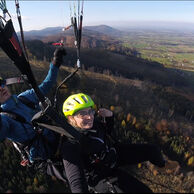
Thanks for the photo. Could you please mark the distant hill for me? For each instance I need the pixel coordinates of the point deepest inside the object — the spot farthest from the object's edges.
(93, 36)
(106, 30)
(90, 39)
(41, 33)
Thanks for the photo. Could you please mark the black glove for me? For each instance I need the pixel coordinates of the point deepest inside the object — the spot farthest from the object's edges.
(59, 53)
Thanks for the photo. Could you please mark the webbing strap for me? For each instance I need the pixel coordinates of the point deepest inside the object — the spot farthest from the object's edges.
(14, 80)
(59, 130)
(14, 116)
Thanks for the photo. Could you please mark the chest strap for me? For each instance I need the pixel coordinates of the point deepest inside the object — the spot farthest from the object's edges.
(15, 116)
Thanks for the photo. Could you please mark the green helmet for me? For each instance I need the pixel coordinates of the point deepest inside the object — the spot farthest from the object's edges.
(77, 102)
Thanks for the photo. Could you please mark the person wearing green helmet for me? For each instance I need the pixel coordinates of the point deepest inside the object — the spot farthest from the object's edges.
(91, 164)
(77, 107)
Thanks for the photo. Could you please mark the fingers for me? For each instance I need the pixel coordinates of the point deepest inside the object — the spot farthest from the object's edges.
(103, 112)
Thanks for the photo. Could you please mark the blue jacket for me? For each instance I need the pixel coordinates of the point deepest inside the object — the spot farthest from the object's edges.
(24, 132)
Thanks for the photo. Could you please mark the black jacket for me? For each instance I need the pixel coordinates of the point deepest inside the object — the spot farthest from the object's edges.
(88, 161)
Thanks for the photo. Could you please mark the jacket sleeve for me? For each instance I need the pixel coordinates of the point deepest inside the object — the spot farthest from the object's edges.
(74, 170)
(45, 86)
(4, 128)
(50, 79)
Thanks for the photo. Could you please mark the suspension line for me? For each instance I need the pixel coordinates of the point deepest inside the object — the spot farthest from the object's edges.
(3, 7)
(21, 28)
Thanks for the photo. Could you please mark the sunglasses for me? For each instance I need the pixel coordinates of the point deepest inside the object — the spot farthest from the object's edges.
(2, 83)
(83, 114)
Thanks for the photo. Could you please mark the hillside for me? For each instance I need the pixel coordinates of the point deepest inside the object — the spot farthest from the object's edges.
(112, 62)
(170, 46)
(153, 108)
(110, 31)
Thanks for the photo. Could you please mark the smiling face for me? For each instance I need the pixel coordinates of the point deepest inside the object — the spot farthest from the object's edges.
(83, 119)
(5, 94)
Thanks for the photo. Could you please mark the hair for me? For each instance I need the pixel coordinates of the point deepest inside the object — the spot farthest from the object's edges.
(72, 121)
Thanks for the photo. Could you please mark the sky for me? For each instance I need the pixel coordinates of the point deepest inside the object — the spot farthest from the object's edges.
(41, 14)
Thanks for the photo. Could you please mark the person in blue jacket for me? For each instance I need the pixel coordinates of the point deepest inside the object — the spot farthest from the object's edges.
(24, 133)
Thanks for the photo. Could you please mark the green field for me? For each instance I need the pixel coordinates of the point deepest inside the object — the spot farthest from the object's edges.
(172, 49)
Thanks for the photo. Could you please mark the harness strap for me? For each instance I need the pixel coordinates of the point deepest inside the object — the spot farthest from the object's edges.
(14, 116)
(27, 102)
(59, 130)
(23, 149)
(61, 139)
(14, 80)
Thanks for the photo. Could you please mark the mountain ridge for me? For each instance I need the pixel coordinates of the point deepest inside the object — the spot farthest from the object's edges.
(104, 29)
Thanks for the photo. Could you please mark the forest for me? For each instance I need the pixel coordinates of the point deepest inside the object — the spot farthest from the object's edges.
(151, 103)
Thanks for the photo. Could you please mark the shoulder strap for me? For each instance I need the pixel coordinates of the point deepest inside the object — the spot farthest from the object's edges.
(27, 102)
(14, 116)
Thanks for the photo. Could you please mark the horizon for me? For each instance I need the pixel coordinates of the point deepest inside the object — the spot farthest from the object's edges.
(127, 25)
(36, 15)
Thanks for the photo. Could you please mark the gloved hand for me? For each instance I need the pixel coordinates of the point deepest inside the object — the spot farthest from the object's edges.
(59, 53)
